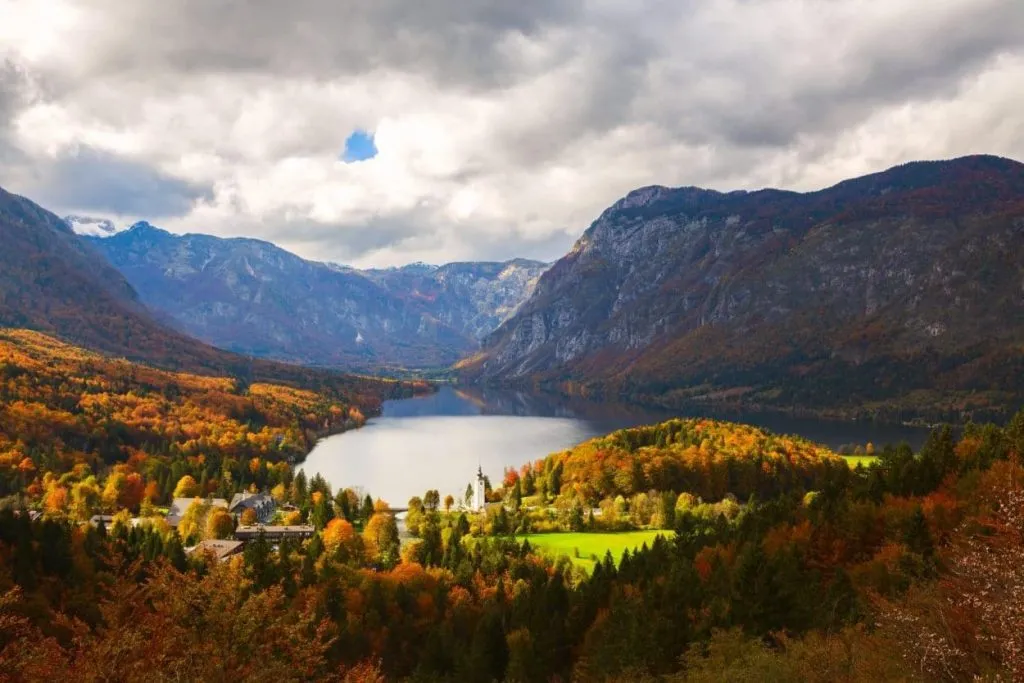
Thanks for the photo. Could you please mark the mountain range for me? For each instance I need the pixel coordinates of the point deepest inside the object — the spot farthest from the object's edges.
(252, 297)
(54, 281)
(898, 294)
(903, 288)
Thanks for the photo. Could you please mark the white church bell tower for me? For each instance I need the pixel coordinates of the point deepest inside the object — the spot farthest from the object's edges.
(478, 490)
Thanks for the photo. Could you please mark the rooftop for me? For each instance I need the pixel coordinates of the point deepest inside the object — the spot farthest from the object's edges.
(249, 500)
(221, 549)
(298, 531)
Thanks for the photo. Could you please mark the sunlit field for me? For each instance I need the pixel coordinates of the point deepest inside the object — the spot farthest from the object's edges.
(582, 547)
(854, 460)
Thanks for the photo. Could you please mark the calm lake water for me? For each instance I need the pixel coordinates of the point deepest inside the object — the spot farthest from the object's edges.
(438, 441)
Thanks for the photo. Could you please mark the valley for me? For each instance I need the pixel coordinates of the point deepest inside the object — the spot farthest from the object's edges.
(512, 342)
(438, 441)
(808, 304)
(574, 499)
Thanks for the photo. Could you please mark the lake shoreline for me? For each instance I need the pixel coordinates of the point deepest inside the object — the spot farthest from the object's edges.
(926, 413)
(439, 441)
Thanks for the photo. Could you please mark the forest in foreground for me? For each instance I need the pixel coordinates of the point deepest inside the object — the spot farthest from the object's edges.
(784, 564)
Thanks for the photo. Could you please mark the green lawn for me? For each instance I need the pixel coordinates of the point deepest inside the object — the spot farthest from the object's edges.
(854, 460)
(557, 544)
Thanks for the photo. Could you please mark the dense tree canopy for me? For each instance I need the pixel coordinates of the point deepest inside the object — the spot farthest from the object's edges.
(785, 564)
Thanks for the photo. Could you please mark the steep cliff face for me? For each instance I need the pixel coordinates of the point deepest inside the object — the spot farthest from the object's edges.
(911, 276)
(253, 297)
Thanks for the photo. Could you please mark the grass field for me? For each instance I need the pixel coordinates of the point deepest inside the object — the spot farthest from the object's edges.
(557, 544)
(854, 460)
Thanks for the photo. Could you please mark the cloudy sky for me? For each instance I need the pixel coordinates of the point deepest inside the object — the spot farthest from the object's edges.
(499, 128)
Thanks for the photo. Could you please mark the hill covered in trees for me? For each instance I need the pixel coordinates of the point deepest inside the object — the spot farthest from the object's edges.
(804, 569)
(706, 458)
(73, 420)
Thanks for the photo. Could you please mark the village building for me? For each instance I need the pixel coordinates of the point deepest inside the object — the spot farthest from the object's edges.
(220, 549)
(274, 534)
(260, 503)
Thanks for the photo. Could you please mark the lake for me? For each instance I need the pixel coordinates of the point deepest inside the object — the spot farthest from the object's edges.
(438, 441)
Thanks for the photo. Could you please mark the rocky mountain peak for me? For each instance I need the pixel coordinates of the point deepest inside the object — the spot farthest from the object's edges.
(671, 290)
(641, 197)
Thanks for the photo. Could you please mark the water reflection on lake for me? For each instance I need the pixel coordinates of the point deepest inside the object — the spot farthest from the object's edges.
(438, 441)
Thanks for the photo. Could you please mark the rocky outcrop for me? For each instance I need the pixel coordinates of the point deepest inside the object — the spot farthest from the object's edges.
(884, 285)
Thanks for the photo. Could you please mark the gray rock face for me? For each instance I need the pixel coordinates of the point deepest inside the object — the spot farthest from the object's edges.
(673, 289)
(472, 297)
(255, 298)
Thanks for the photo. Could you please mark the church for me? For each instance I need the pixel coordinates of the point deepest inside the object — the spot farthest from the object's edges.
(478, 490)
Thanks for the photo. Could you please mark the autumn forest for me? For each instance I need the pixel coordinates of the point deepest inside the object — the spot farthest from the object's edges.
(161, 517)
(777, 560)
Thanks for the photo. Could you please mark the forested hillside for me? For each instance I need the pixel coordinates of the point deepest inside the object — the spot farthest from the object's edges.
(702, 457)
(785, 563)
(74, 423)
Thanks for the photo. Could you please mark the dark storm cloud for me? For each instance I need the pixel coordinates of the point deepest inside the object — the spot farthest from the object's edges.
(14, 95)
(347, 241)
(600, 94)
(741, 94)
(448, 40)
(91, 180)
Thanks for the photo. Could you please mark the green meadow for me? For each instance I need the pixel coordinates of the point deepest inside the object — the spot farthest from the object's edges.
(854, 460)
(557, 544)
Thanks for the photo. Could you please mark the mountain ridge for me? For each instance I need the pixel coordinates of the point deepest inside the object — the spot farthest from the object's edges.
(251, 296)
(676, 296)
(53, 281)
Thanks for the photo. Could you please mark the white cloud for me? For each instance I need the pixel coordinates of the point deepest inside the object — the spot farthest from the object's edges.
(502, 129)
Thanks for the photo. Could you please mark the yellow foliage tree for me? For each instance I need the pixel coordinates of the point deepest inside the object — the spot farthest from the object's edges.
(122, 519)
(338, 531)
(411, 552)
(193, 519)
(219, 524)
(112, 491)
(186, 488)
(381, 537)
(85, 498)
(280, 494)
(248, 517)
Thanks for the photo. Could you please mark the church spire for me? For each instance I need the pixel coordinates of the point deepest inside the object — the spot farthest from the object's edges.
(478, 490)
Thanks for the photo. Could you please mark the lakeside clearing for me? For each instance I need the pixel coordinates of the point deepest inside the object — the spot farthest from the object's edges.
(557, 544)
(854, 460)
